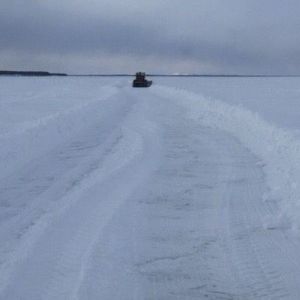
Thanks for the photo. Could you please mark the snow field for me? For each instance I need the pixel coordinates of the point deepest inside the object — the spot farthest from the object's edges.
(278, 149)
(33, 137)
(109, 192)
(52, 217)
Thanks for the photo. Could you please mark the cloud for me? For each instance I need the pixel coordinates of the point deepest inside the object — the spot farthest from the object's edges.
(233, 36)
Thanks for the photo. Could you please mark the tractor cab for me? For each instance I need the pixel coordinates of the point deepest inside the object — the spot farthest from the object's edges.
(141, 81)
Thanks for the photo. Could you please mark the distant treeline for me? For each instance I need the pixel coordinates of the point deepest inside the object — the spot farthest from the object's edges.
(44, 74)
(180, 75)
(30, 73)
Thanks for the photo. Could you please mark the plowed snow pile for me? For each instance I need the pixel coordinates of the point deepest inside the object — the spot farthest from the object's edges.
(278, 149)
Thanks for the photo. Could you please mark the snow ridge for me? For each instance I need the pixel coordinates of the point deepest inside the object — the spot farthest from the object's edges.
(278, 149)
(58, 126)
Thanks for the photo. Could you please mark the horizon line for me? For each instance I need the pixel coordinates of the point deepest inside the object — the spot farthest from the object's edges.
(45, 73)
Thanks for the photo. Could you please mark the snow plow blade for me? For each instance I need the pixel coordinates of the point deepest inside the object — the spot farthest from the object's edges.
(142, 84)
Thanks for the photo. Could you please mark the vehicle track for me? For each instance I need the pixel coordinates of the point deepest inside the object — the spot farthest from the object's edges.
(48, 238)
(197, 229)
(155, 207)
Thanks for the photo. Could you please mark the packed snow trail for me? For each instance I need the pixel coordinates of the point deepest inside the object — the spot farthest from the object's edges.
(93, 173)
(143, 203)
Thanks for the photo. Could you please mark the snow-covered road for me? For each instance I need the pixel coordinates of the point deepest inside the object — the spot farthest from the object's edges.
(139, 201)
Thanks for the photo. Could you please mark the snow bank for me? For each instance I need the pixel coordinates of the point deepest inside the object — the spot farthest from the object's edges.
(26, 142)
(278, 149)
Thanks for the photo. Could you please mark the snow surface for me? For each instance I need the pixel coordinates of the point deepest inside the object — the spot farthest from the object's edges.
(189, 189)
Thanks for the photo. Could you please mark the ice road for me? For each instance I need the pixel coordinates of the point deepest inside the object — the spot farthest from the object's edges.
(121, 194)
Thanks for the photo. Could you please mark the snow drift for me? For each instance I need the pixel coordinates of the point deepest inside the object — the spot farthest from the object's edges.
(31, 138)
(278, 149)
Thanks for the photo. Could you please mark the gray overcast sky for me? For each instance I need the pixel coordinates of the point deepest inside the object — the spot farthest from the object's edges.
(108, 36)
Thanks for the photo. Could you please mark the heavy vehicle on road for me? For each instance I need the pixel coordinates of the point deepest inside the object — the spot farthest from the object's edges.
(141, 81)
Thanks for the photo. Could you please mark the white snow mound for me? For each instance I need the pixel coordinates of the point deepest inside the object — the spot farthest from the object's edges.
(278, 149)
